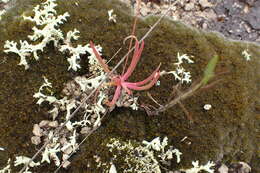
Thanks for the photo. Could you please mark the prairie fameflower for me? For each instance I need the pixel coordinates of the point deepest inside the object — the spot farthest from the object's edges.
(120, 80)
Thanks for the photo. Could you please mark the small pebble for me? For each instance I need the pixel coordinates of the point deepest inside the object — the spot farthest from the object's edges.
(36, 140)
(37, 131)
(207, 107)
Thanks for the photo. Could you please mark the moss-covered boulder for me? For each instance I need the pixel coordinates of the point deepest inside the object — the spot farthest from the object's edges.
(228, 132)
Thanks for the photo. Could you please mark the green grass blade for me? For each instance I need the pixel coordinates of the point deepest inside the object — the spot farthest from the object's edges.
(209, 70)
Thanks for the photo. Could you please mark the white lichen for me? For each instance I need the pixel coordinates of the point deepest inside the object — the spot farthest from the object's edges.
(138, 159)
(157, 145)
(2, 12)
(24, 50)
(111, 16)
(72, 143)
(134, 105)
(180, 74)
(183, 57)
(66, 143)
(72, 35)
(89, 84)
(51, 153)
(4, 1)
(47, 22)
(197, 168)
(75, 52)
(79, 50)
(23, 160)
(42, 97)
(112, 169)
(246, 55)
(47, 30)
(7, 168)
(144, 158)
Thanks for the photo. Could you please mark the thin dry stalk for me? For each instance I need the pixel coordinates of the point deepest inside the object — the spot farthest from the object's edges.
(150, 96)
(133, 33)
(190, 118)
(174, 90)
(114, 55)
(93, 92)
(179, 98)
(183, 107)
(183, 95)
(210, 85)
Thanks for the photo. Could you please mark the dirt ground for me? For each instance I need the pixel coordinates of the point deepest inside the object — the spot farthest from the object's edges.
(235, 19)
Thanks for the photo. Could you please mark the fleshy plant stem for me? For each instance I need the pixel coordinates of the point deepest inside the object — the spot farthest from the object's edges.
(133, 33)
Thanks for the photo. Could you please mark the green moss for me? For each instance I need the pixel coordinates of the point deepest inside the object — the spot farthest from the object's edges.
(229, 129)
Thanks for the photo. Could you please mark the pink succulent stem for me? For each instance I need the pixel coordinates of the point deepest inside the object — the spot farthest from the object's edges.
(120, 80)
(149, 78)
(100, 60)
(135, 59)
(129, 92)
(145, 87)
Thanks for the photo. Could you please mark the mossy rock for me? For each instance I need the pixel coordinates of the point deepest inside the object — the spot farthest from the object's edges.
(227, 132)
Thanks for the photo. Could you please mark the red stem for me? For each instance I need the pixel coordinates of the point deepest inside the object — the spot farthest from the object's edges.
(100, 60)
(135, 59)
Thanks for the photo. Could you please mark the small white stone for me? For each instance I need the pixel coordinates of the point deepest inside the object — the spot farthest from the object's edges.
(223, 169)
(189, 6)
(85, 130)
(53, 124)
(63, 141)
(245, 167)
(66, 164)
(36, 140)
(68, 150)
(207, 107)
(204, 26)
(205, 3)
(37, 131)
(44, 123)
